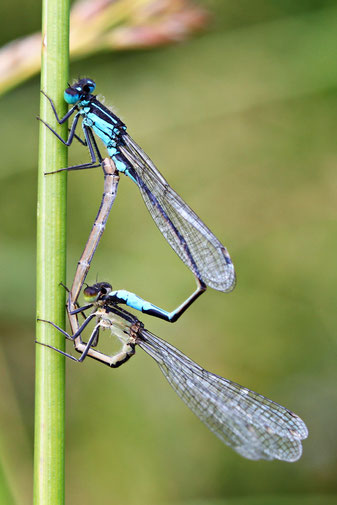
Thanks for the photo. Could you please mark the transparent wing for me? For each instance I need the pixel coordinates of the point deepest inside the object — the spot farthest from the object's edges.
(255, 427)
(190, 238)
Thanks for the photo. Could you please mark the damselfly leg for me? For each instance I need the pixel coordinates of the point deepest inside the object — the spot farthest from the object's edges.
(84, 350)
(120, 329)
(89, 142)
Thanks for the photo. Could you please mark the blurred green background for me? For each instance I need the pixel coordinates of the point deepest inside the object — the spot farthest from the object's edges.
(241, 121)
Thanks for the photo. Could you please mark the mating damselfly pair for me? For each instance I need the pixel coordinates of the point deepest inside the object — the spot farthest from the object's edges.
(257, 428)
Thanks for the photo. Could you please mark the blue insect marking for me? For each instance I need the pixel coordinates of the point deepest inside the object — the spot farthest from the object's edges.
(136, 302)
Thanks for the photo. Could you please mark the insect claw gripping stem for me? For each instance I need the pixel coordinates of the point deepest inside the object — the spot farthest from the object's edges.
(64, 286)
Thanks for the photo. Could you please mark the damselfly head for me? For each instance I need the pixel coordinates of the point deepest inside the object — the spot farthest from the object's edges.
(79, 90)
(93, 293)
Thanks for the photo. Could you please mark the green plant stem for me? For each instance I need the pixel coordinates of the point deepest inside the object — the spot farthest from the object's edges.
(51, 263)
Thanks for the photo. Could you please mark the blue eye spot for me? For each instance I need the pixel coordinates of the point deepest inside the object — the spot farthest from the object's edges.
(91, 85)
(88, 85)
(70, 96)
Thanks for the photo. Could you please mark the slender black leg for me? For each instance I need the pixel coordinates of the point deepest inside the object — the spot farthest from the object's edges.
(91, 343)
(77, 333)
(57, 350)
(84, 166)
(92, 339)
(83, 142)
(64, 118)
(71, 132)
(94, 342)
(92, 148)
(93, 141)
(89, 139)
(64, 286)
(79, 309)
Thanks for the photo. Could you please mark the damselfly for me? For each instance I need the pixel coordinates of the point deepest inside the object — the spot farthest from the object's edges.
(189, 237)
(254, 426)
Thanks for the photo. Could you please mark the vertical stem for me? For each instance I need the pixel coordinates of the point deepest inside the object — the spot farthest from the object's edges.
(51, 262)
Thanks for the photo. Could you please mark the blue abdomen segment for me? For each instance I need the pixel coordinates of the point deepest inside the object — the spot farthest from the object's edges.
(138, 303)
(122, 164)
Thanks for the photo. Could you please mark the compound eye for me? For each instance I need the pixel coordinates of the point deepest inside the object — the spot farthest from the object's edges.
(89, 86)
(105, 288)
(90, 293)
(71, 95)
